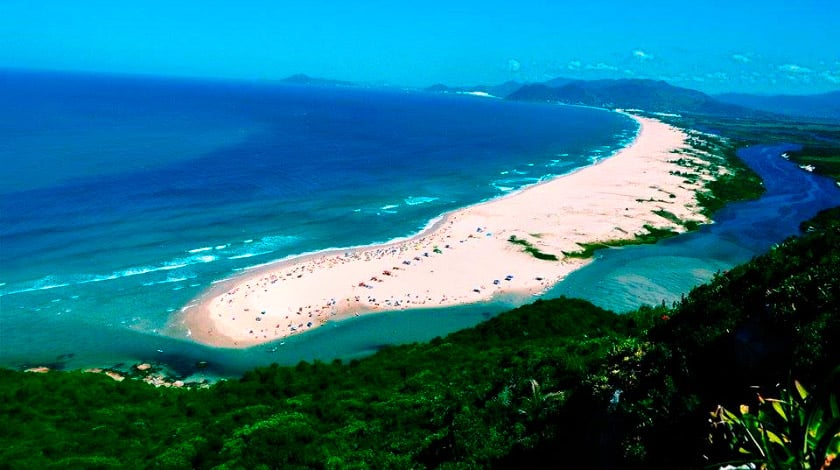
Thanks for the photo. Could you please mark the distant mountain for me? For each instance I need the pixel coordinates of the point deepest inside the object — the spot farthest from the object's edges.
(650, 95)
(823, 106)
(302, 79)
(559, 81)
(500, 91)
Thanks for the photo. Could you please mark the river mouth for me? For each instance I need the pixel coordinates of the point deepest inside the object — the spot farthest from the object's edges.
(624, 279)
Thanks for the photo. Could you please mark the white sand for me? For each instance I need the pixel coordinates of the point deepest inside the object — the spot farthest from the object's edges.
(474, 260)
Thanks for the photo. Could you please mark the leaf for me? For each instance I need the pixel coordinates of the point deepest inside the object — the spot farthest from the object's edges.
(829, 444)
(777, 405)
(730, 416)
(773, 437)
(799, 388)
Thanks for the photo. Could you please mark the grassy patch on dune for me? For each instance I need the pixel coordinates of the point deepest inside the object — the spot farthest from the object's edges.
(534, 251)
(671, 217)
(652, 235)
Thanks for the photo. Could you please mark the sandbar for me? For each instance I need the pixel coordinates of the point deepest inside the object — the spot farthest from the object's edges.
(467, 256)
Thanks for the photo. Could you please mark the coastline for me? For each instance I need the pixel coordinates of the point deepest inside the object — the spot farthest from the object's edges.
(467, 255)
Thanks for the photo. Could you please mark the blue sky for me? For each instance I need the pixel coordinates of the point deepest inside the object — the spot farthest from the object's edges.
(771, 46)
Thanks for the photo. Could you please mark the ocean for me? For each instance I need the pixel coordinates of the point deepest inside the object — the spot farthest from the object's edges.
(123, 198)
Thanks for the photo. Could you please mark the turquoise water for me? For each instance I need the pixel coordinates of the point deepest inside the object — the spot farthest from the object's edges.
(124, 198)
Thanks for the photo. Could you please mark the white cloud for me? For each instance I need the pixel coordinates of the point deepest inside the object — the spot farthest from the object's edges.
(833, 77)
(721, 76)
(740, 58)
(573, 65)
(793, 68)
(642, 55)
(601, 66)
(514, 65)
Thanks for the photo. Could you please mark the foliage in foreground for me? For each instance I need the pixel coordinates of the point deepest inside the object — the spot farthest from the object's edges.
(796, 430)
(557, 382)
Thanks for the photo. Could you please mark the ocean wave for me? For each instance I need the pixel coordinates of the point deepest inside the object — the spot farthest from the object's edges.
(53, 281)
(389, 206)
(172, 265)
(414, 201)
(509, 184)
(46, 283)
(263, 246)
(169, 280)
(199, 250)
(250, 254)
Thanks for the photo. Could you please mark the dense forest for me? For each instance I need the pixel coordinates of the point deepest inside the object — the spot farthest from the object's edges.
(558, 381)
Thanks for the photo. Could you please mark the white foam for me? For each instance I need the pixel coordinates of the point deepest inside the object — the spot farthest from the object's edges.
(389, 206)
(250, 255)
(168, 280)
(49, 282)
(38, 286)
(199, 250)
(414, 201)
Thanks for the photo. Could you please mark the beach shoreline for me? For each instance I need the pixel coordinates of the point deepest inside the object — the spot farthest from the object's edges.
(505, 245)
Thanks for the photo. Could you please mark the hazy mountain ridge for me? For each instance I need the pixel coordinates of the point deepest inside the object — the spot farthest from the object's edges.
(820, 106)
(650, 95)
(501, 90)
(647, 94)
(303, 79)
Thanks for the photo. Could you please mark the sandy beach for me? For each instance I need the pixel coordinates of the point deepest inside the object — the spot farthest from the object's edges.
(467, 256)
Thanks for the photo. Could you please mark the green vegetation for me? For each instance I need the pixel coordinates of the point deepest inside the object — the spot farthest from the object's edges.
(653, 235)
(796, 430)
(820, 140)
(737, 183)
(825, 160)
(529, 248)
(671, 217)
(554, 383)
